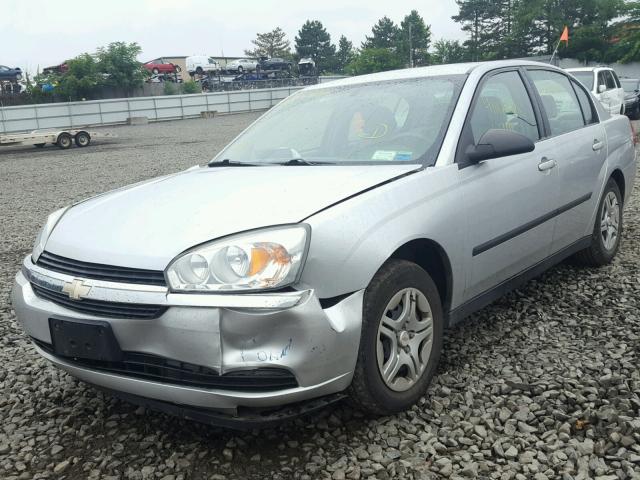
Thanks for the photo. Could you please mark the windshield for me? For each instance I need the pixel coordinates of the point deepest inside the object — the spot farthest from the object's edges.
(400, 121)
(629, 86)
(585, 78)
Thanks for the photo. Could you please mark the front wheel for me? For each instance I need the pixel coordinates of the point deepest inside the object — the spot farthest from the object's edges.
(607, 231)
(402, 328)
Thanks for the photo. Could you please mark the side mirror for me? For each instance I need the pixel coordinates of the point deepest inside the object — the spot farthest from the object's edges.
(497, 143)
(602, 88)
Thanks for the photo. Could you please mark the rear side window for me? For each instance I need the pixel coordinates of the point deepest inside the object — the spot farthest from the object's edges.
(588, 110)
(559, 101)
(616, 79)
(602, 80)
(503, 103)
(611, 83)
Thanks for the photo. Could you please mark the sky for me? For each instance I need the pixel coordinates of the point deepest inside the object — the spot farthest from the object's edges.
(40, 33)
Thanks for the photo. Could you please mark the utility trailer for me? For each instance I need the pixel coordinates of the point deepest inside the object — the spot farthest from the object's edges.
(62, 138)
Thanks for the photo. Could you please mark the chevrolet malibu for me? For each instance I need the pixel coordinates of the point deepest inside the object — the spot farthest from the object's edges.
(324, 251)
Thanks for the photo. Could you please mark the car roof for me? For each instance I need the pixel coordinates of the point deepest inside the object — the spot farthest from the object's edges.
(432, 71)
(587, 69)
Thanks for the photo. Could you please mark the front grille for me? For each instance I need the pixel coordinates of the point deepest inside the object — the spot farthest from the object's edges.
(160, 369)
(97, 271)
(100, 308)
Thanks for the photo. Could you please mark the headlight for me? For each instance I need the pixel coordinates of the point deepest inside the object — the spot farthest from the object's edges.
(45, 231)
(258, 260)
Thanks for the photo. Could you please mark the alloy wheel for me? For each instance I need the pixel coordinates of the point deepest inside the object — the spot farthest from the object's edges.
(610, 221)
(405, 339)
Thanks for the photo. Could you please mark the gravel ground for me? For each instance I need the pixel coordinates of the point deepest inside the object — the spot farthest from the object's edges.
(543, 384)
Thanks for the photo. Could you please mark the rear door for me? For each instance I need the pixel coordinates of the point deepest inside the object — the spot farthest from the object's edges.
(579, 145)
(507, 200)
(618, 92)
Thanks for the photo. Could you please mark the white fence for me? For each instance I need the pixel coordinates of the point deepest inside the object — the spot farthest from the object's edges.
(105, 112)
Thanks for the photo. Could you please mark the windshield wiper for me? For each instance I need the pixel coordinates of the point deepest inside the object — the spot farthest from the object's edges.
(297, 162)
(230, 163)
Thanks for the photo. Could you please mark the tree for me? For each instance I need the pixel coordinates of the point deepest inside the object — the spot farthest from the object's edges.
(413, 38)
(314, 41)
(119, 64)
(371, 60)
(82, 79)
(345, 54)
(384, 35)
(270, 44)
(449, 51)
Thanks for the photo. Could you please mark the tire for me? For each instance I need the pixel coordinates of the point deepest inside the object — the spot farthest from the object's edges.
(177, 69)
(83, 139)
(199, 70)
(64, 141)
(39, 145)
(397, 280)
(635, 113)
(240, 69)
(155, 71)
(602, 250)
(18, 77)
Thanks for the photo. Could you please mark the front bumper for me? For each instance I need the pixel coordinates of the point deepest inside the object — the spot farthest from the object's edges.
(224, 333)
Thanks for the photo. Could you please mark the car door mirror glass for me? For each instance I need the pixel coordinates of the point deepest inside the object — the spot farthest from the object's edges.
(496, 143)
(602, 88)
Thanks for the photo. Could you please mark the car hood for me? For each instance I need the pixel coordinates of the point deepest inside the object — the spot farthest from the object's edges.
(146, 225)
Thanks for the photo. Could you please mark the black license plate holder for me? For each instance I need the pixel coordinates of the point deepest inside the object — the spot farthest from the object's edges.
(86, 339)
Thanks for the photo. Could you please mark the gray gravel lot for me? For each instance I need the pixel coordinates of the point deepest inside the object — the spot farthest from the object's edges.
(543, 384)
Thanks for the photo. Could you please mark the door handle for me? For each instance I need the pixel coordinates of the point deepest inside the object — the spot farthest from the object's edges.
(597, 145)
(546, 164)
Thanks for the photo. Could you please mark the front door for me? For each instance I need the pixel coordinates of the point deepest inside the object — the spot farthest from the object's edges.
(507, 200)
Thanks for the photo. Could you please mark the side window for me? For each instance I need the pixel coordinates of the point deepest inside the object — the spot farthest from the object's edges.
(602, 80)
(503, 103)
(616, 79)
(559, 101)
(611, 84)
(588, 110)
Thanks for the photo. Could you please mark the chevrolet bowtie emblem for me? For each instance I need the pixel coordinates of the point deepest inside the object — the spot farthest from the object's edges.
(76, 289)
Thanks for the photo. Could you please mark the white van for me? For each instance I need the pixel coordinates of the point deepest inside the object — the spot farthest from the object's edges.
(201, 64)
(604, 84)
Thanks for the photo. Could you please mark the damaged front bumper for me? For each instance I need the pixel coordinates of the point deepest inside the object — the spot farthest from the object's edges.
(202, 352)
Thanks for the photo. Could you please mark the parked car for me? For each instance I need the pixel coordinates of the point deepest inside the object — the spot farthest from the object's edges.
(242, 65)
(274, 64)
(370, 214)
(161, 65)
(201, 64)
(10, 74)
(631, 87)
(59, 69)
(604, 83)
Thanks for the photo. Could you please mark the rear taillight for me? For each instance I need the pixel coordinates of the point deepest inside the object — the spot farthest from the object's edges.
(634, 135)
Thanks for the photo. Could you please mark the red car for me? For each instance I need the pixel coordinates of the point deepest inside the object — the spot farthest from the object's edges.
(160, 65)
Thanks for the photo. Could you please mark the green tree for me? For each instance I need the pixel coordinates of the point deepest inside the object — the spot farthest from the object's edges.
(270, 44)
(314, 41)
(384, 35)
(370, 60)
(82, 80)
(449, 51)
(118, 62)
(413, 38)
(345, 54)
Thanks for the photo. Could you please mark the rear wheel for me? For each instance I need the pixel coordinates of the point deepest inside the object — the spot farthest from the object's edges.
(64, 141)
(155, 71)
(83, 139)
(240, 69)
(401, 339)
(199, 70)
(607, 230)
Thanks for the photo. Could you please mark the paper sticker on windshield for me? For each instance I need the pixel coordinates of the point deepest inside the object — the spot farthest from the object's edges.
(388, 155)
(403, 156)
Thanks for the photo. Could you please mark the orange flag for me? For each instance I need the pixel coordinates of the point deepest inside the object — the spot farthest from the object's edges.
(565, 35)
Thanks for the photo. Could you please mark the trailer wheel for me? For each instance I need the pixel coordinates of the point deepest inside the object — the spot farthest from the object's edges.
(64, 140)
(83, 139)
(40, 145)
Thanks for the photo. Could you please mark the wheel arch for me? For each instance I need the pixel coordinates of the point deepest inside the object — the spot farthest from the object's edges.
(618, 177)
(433, 258)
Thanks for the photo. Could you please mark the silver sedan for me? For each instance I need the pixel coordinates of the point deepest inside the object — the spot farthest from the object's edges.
(325, 250)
